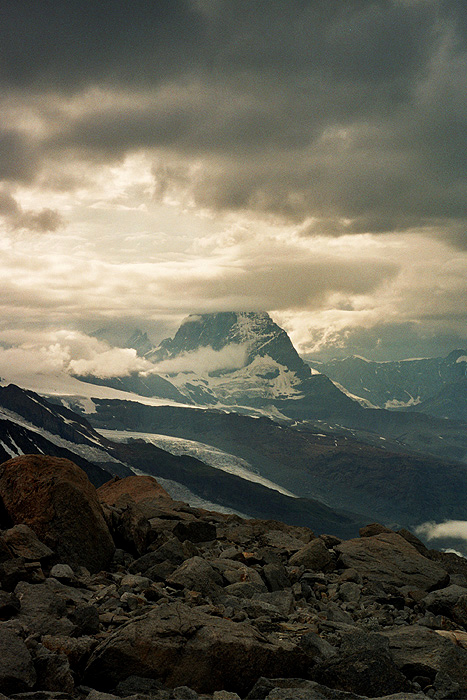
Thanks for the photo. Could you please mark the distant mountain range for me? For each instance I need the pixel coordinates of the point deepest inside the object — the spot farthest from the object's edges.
(407, 384)
(247, 363)
(271, 428)
(233, 359)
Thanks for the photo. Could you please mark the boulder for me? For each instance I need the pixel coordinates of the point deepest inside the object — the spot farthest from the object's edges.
(17, 672)
(55, 498)
(419, 651)
(390, 559)
(135, 489)
(314, 556)
(179, 645)
(23, 542)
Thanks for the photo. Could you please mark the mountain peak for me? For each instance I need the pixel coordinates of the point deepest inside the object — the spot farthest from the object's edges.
(254, 329)
(140, 342)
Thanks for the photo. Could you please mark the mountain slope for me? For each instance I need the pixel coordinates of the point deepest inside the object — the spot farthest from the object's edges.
(395, 486)
(396, 384)
(450, 402)
(31, 425)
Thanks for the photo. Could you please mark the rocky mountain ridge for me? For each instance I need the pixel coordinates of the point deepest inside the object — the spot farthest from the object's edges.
(175, 602)
(402, 384)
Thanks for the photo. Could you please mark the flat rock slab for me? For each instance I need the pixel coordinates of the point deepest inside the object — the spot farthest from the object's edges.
(389, 558)
(179, 645)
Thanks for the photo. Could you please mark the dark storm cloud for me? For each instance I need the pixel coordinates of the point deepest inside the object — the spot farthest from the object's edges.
(59, 45)
(65, 45)
(338, 110)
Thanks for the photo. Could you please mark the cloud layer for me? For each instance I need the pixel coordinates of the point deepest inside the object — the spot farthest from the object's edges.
(197, 155)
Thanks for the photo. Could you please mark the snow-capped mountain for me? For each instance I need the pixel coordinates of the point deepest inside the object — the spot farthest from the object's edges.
(242, 359)
(401, 384)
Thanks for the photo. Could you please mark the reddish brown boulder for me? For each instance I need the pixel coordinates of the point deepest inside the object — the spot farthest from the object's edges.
(130, 504)
(119, 492)
(56, 499)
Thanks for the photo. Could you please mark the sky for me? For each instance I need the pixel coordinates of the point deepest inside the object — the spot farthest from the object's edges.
(161, 158)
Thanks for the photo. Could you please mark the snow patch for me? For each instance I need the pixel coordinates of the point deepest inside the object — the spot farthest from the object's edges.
(8, 450)
(394, 403)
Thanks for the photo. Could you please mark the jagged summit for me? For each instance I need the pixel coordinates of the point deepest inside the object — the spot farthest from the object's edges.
(140, 342)
(244, 359)
(255, 330)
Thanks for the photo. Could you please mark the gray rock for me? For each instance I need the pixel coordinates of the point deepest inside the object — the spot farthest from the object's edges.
(182, 645)
(17, 673)
(196, 574)
(313, 555)
(390, 559)
(421, 651)
(23, 542)
(225, 695)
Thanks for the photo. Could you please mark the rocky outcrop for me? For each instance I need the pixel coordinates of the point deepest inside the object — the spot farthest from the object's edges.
(182, 645)
(57, 501)
(205, 606)
(391, 560)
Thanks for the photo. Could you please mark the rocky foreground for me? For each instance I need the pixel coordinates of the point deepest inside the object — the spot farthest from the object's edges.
(124, 593)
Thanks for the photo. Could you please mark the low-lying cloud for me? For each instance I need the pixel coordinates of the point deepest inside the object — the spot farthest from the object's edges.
(67, 352)
(205, 360)
(450, 529)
